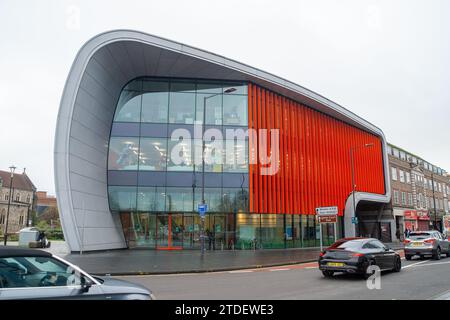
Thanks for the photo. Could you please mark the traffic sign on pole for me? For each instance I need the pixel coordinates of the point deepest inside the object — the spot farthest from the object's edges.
(202, 208)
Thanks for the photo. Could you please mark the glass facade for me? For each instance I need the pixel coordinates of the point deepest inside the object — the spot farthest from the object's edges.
(156, 184)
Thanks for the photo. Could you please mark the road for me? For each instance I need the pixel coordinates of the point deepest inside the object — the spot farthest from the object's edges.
(419, 279)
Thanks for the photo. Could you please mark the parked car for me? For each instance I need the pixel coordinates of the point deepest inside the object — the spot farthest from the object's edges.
(37, 274)
(424, 243)
(356, 255)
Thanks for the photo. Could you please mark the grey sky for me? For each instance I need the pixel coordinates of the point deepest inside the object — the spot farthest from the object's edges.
(387, 61)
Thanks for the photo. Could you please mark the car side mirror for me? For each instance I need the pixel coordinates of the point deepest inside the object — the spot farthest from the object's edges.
(85, 285)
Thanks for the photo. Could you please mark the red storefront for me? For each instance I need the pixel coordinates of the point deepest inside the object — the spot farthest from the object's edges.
(423, 220)
(417, 220)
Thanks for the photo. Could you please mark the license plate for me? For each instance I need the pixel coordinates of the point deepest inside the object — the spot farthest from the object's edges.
(417, 244)
(335, 264)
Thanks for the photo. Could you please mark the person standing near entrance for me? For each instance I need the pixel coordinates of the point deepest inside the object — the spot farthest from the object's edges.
(209, 235)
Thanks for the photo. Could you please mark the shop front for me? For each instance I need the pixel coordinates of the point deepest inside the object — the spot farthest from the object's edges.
(410, 218)
(423, 220)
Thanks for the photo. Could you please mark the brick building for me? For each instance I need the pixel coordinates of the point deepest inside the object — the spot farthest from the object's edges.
(419, 192)
(44, 201)
(22, 200)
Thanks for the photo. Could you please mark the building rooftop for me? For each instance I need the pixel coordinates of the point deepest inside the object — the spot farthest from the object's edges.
(20, 181)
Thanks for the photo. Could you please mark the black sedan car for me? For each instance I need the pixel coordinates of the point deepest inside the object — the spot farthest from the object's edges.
(37, 274)
(355, 255)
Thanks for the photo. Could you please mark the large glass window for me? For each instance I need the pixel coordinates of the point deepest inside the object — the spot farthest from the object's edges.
(153, 154)
(180, 155)
(122, 198)
(234, 200)
(151, 199)
(179, 199)
(162, 104)
(235, 110)
(236, 157)
(155, 101)
(123, 153)
(213, 197)
(129, 106)
(272, 231)
(182, 108)
(212, 103)
(213, 157)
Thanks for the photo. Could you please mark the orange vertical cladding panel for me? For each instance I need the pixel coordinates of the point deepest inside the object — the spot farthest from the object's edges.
(314, 157)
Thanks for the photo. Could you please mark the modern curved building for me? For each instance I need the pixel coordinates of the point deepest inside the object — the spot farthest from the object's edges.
(129, 93)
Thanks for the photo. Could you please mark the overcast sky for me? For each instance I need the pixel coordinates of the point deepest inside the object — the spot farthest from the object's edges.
(387, 61)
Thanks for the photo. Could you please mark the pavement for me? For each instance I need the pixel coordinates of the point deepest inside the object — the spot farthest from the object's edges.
(418, 280)
(146, 261)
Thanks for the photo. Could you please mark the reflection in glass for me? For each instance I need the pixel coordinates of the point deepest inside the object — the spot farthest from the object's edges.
(153, 154)
(234, 200)
(155, 102)
(213, 197)
(180, 155)
(178, 199)
(213, 157)
(182, 108)
(209, 87)
(237, 161)
(272, 231)
(235, 110)
(129, 105)
(123, 153)
(122, 198)
(213, 108)
(151, 199)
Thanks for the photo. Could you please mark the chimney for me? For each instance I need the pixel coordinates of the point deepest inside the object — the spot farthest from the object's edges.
(24, 169)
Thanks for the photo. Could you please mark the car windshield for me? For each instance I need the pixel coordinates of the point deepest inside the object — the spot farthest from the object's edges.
(347, 245)
(419, 236)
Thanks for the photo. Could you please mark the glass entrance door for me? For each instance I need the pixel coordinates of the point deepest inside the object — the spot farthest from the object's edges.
(191, 231)
(169, 234)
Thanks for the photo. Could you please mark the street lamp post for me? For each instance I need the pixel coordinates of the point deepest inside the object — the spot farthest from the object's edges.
(5, 240)
(353, 178)
(202, 231)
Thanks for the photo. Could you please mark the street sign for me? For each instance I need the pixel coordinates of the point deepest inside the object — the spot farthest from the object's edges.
(324, 211)
(354, 220)
(202, 208)
(327, 219)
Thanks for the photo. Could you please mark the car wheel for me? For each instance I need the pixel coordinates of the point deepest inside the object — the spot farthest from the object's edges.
(327, 273)
(408, 257)
(397, 265)
(448, 253)
(437, 255)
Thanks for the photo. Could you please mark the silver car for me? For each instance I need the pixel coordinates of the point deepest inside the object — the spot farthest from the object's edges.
(37, 274)
(424, 243)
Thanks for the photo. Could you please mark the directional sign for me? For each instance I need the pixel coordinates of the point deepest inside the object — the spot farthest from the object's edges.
(202, 208)
(354, 220)
(327, 219)
(327, 211)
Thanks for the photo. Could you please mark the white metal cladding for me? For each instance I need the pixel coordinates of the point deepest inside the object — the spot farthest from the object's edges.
(100, 70)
